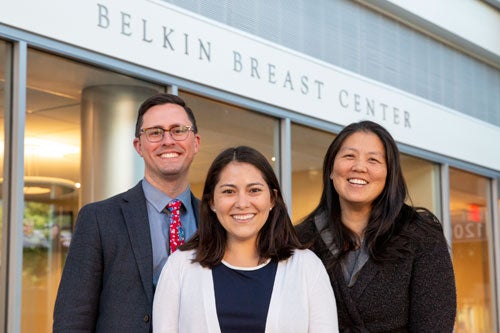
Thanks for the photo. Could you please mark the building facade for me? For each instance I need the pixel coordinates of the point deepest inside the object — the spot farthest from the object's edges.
(281, 76)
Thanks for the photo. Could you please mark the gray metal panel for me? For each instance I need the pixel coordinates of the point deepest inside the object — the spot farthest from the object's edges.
(16, 185)
(286, 162)
(351, 36)
(495, 258)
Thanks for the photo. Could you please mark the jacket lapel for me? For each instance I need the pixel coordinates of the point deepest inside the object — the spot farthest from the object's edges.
(195, 204)
(343, 295)
(368, 272)
(349, 296)
(136, 219)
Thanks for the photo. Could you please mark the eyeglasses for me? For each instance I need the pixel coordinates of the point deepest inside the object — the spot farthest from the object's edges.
(178, 133)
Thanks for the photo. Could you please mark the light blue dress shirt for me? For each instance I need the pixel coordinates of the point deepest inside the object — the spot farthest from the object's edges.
(156, 202)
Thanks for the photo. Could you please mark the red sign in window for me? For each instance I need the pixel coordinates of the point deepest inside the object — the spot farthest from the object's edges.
(474, 213)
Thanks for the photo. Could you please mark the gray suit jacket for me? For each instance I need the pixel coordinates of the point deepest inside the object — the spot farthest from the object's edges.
(107, 281)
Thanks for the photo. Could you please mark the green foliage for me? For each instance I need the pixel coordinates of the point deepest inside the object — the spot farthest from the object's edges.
(39, 213)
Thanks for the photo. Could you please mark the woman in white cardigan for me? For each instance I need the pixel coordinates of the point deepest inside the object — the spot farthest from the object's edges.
(244, 270)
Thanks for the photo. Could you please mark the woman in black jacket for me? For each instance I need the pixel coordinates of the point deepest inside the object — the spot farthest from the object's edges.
(389, 263)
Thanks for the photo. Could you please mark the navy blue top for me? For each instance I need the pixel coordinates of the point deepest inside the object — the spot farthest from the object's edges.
(242, 296)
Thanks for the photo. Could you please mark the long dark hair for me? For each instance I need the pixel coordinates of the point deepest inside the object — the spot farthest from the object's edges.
(389, 212)
(276, 240)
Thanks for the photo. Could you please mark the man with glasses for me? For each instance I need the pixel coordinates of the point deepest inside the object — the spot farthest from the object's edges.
(121, 244)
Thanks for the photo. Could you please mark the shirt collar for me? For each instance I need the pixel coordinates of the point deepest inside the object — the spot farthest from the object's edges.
(159, 200)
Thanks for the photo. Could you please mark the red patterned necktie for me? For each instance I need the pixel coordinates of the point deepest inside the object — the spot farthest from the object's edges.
(176, 234)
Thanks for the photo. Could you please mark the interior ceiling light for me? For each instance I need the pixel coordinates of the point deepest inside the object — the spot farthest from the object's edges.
(47, 148)
(36, 190)
(47, 187)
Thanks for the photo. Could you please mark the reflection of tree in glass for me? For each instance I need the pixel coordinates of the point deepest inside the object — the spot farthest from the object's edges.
(39, 213)
(35, 264)
(36, 224)
(36, 227)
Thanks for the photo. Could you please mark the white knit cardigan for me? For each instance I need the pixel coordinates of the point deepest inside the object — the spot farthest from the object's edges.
(302, 299)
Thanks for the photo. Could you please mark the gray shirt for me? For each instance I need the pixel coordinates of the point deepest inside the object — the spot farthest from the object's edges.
(353, 262)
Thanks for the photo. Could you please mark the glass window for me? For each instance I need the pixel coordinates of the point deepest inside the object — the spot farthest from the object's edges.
(422, 179)
(469, 219)
(72, 110)
(308, 151)
(223, 125)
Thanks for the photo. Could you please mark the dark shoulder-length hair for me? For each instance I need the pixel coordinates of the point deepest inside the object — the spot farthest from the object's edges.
(386, 207)
(276, 240)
